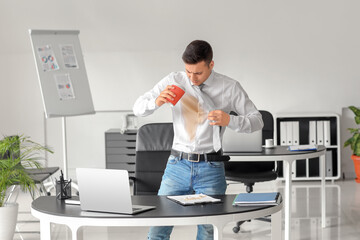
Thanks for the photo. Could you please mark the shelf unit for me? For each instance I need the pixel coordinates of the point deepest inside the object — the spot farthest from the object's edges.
(309, 169)
(120, 150)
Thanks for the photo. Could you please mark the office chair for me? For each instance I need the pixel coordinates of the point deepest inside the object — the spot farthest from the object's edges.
(250, 173)
(153, 146)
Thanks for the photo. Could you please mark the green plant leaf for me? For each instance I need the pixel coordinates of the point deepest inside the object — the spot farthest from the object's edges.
(355, 110)
(16, 153)
(355, 140)
(357, 119)
(354, 130)
(356, 150)
(348, 142)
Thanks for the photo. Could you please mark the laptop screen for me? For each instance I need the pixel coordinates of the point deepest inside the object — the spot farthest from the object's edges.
(234, 142)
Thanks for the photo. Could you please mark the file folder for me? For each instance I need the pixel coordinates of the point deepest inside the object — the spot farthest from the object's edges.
(327, 136)
(295, 133)
(309, 147)
(289, 133)
(283, 140)
(328, 164)
(320, 132)
(256, 199)
(312, 132)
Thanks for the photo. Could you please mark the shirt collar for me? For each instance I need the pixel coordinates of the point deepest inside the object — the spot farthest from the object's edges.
(208, 81)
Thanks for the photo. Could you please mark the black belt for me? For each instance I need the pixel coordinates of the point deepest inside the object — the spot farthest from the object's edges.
(195, 157)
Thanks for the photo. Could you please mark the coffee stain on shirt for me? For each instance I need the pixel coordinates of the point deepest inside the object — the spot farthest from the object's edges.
(193, 114)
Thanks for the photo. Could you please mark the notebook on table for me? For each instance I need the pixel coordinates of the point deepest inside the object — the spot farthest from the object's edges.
(257, 199)
(234, 142)
(106, 190)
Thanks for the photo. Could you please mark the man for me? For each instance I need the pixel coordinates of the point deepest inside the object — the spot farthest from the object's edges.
(200, 118)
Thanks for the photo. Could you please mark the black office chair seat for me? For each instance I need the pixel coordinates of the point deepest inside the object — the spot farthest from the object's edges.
(250, 177)
(250, 172)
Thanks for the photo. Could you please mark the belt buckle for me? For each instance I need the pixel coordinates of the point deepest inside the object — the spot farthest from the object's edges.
(194, 160)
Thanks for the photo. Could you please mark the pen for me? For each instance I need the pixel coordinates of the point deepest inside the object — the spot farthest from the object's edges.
(61, 176)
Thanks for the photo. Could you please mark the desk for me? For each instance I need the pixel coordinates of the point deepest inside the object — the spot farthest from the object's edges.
(167, 213)
(280, 153)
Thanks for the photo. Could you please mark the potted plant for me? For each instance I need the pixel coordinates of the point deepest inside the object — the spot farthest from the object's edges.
(16, 154)
(354, 142)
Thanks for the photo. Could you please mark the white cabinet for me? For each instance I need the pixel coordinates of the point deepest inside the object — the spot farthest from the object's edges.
(303, 128)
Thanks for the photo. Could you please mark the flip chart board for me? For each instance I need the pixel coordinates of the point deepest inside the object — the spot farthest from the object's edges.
(61, 71)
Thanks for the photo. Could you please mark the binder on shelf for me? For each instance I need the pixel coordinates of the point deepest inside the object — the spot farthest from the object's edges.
(312, 132)
(289, 133)
(294, 171)
(328, 164)
(320, 132)
(283, 134)
(295, 133)
(327, 134)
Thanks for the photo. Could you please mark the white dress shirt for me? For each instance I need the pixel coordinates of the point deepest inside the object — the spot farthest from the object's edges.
(227, 95)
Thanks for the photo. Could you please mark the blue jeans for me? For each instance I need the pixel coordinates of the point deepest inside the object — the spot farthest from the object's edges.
(183, 177)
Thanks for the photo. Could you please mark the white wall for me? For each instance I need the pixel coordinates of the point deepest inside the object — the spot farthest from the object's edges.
(290, 56)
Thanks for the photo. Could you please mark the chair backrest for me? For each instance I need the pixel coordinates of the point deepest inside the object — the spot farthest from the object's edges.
(153, 146)
(268, 129)
(268, 133)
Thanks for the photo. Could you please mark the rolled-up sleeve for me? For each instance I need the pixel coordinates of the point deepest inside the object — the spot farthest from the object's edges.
(249, 119)
(145, 104)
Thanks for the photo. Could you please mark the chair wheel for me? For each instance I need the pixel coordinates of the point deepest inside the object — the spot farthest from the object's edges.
(48, 193)
(236, 229)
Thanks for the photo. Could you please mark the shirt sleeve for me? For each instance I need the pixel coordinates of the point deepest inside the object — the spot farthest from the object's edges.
(249, 119)
(145, 104)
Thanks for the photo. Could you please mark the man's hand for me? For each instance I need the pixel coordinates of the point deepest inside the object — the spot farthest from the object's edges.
(165, 96)
(218, 117)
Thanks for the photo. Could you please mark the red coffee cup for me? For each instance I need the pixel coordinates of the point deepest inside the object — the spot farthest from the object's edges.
(178, 92)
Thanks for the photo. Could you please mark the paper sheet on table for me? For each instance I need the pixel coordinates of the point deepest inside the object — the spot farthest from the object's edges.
(193, 199)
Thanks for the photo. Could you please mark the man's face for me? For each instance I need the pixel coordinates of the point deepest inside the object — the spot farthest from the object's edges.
(198, 72)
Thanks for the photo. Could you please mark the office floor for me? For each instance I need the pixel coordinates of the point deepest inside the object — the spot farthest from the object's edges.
(343, 216)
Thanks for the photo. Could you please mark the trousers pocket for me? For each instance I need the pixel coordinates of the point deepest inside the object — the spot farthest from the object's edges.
(216, 164)
(172, 159)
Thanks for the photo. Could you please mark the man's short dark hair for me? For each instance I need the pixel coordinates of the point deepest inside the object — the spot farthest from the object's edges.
(198, 51)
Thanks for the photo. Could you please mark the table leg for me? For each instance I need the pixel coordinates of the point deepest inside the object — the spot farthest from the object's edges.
(217, 233)
(45, 230)
(288, 179)
(218, 228)
(323, 202)
(276, 221)
(76, 232)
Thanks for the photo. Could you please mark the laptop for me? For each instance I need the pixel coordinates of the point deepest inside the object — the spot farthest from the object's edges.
(106, 190)
(234, 142)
